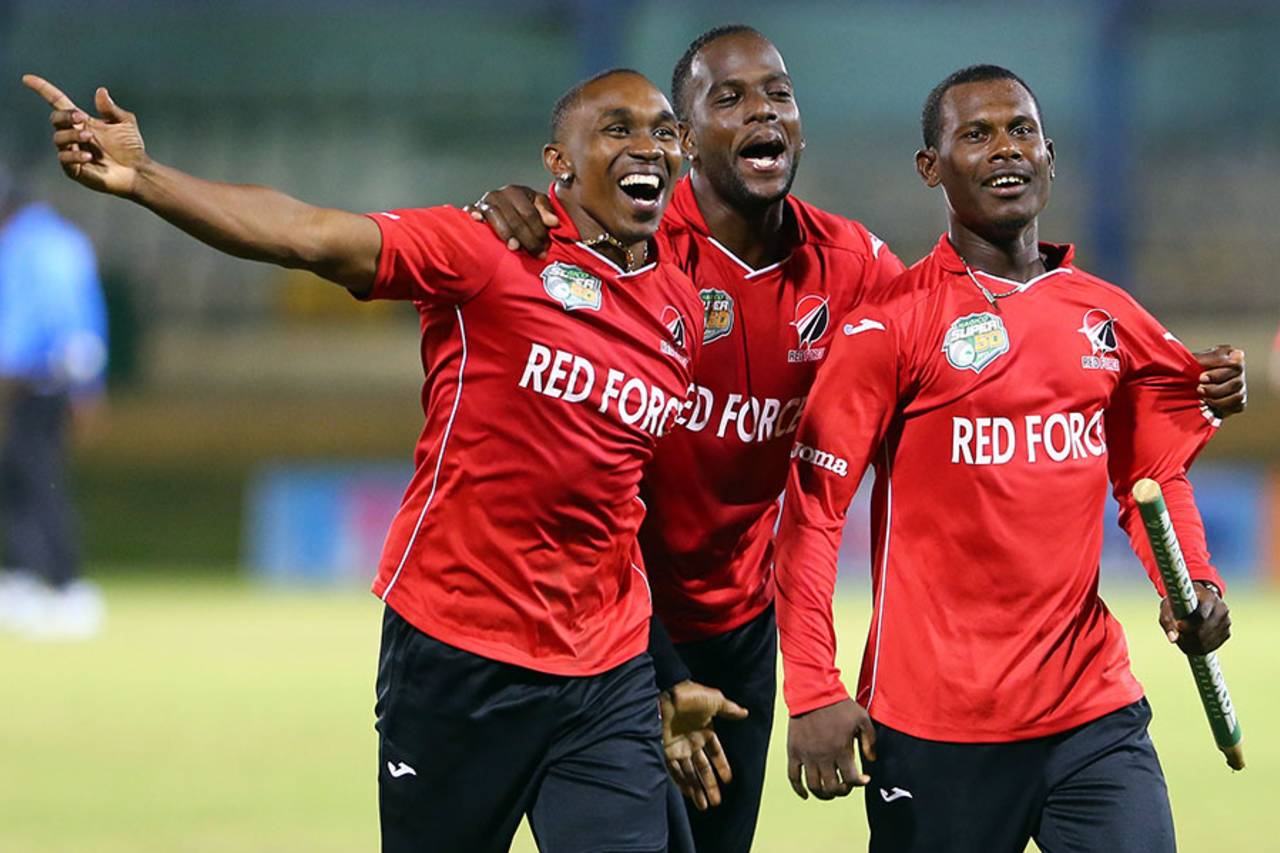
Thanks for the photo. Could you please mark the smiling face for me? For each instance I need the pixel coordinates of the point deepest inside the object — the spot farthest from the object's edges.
(743, 123)
(992, 159)
(619, 142)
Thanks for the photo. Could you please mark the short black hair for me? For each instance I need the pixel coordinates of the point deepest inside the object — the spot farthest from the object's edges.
(570, 99)
(930, 116)
(680, 76)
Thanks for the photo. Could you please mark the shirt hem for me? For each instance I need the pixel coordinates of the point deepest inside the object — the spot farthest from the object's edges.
(693, 631)
(1057, 725)
(573, 667)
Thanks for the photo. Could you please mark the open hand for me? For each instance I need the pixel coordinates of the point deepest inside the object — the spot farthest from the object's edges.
(822, 743)
(519, 216)
(694, 756)
(102, 153)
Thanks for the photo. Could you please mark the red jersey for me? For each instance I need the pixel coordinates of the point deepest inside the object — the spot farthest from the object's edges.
(712, 489)
(548, 383)
(994, 430)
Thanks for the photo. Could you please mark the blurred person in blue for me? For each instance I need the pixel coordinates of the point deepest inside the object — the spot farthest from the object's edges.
(53, 356)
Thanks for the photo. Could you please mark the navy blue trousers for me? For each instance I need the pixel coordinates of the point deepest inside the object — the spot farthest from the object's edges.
(1097, 787)
(467, 746)
(741, 664)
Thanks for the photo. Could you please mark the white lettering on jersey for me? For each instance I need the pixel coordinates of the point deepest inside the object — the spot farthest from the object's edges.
(571, 378)
(751, 419)
(820, 458)
(1057, 437)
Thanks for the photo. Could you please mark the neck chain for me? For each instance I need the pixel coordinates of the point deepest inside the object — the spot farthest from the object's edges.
(610, 240)
(992, 297)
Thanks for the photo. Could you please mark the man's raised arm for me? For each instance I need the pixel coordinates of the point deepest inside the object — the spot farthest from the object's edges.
(106, 153)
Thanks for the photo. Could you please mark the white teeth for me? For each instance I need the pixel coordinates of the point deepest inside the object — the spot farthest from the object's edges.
(640, 180)
(1009, 181)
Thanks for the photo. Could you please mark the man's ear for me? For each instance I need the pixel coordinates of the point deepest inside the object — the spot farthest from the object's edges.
(927, 166)
(1048, 144)
(557, 162)
(688, 147)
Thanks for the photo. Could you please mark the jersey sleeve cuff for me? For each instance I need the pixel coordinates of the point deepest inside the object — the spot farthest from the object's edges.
(802, 702)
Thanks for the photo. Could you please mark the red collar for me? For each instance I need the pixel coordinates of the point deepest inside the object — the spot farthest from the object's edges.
(684, 204)
(566, 234)
(1058, 256)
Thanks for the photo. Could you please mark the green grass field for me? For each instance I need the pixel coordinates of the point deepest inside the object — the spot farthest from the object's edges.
(216, 716)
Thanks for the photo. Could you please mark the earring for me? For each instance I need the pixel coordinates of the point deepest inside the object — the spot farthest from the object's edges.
(566, 177)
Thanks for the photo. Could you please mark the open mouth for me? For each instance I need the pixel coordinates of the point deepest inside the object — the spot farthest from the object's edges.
(644, 189)
(1008, 183)
(764, 156)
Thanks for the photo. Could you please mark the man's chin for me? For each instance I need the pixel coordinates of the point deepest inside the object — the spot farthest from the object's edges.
(756, 192)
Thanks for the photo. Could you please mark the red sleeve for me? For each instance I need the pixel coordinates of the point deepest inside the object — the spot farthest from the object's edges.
(1156, 427)
(848, 411)
(883, 268)
(434, 254)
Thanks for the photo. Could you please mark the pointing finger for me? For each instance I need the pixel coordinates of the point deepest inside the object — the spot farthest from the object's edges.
(55, 97)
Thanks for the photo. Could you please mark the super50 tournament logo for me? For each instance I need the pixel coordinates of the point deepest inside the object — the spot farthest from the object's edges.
(572, 287)
(718, 314)
(1099, 329)
(974, 341)
(811, 322)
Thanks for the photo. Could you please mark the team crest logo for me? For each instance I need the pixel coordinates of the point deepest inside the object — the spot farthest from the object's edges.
(974, 341)
(718, 314)
(812, 319)
(571, 287)
(677, 347)
(1099, 329)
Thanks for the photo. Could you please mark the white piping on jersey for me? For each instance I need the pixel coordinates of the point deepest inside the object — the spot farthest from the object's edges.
(644, 506)
(884, 573)
(644, 578)
(621, 272)
(751, 271)
(1020, 286)
(444, 443)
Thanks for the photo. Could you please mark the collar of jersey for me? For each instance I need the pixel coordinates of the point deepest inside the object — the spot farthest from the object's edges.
(684, 210)
(1060, 255)
(566, 234)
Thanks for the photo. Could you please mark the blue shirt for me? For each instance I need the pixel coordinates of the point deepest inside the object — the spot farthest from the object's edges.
(53, 321)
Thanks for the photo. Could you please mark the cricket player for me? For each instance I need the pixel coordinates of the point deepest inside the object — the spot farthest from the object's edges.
(997, 389)
(774, 273)
(513, 677)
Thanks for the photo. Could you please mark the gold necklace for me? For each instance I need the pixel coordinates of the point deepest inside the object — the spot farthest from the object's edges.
(608, 239)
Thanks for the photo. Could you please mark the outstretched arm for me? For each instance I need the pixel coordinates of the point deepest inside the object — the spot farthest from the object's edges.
(106, 153)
